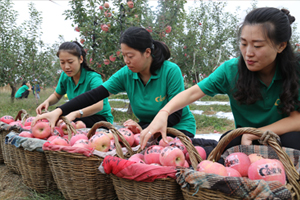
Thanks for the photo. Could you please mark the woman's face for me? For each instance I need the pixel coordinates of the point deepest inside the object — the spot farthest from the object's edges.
(135, 60)
(258, 51)
(69, 63)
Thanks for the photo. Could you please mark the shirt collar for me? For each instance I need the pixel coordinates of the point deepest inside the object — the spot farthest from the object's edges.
(157, 72)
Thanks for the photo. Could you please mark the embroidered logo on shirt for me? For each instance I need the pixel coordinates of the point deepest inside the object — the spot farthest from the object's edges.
(277, 102)
(160, 99)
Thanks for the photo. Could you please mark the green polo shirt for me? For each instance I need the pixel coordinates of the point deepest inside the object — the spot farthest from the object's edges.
(88, 81)
(21, 90)
(262, 112)
(147, 100)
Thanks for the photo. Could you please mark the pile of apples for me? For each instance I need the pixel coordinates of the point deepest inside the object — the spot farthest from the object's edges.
(173, 153)
(239, 164)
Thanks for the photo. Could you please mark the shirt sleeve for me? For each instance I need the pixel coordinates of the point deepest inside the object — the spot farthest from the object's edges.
(84, 100)
(175, 82)
(96, 81)
(116, 83)
(60, 89)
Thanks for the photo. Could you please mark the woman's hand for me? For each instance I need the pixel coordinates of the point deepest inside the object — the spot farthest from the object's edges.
(41, 107)
(133, 126)
(248, 138)
(158, 125)
(72, 116)
(52, 117)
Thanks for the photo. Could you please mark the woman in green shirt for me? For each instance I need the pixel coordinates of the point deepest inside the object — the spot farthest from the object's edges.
(262, 83)
(77, 78)
(23, 91)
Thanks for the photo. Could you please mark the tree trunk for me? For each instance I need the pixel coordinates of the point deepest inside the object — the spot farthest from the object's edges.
(13, 92)
(129, 111)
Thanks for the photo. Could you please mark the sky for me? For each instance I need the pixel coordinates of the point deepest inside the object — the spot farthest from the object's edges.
(54, 23)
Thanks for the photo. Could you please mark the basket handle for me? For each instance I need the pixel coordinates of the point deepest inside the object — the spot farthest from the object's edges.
(289, 167)
(116, 135)
(70, 127)
(193, 153)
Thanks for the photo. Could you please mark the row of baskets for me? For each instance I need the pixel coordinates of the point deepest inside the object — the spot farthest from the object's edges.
(78, 177)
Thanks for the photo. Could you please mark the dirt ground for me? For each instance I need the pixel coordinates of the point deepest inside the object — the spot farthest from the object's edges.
(11, 185)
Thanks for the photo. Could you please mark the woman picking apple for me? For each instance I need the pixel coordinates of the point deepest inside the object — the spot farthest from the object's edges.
(149, 79)
(262, 83)
(77, 78)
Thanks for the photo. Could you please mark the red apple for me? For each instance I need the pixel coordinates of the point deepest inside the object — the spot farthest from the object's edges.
(137, 138)
(7, 119)
(104, 28)
(107, 14)
(101, 7)
(26, 134)
(106, 5)
(118, 53)
(239, 161)
(28, 121)
(268, 170)
(171, 156)
(254, 157)
(112, 58)
(77, 29)
(79, 124)
(168, 29)
(201, 152)
(184, 47)
(27, 127)
(112, 145)
(60, 141)
(100, 142)
(297, 45)
(16, 123)
(57, 131)
(82, 41)
(179, 145)
(149, 29)
(82, 143)
(163, 143)
(77, 137)
(64, 128)
(130, 4)
(41, 130)
(186, 164)
(232, 172)
(99, 65)
(211, 168)
(128, 135)
(152, 153)
(106, 62)
(200, 23)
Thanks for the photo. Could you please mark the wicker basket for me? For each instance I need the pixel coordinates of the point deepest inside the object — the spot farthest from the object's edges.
(293, 177)
(8, 150)
(167, 189)
(77, 176)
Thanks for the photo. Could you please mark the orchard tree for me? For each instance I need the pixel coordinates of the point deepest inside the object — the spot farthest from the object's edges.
(208, 40)
(100, 24)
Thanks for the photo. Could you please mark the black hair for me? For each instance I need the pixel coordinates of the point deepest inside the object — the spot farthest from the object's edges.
(140, 39)
(24, 83)
(277, 26)
(77, 50)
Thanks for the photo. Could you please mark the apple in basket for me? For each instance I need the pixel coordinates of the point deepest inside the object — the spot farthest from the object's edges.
(232, 172)
(76, 137)
(60, 141)
(63, 127)
(268, 170)
(137, 138)
(163, 143)
(41, 130)
(79, 124)
(152, 153)
(7, 119)
(172, 156)
(52, 138)
(27, 127)
(57, 131)
(26, 134)
(211, 167)
(28, 121)
(112, 145)
(82, 143)
(239, 161)
(201, 152)
(16, 123)
(128, 135)
(255, 157)
(100, 142)
(179, 145)
(186, 164)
